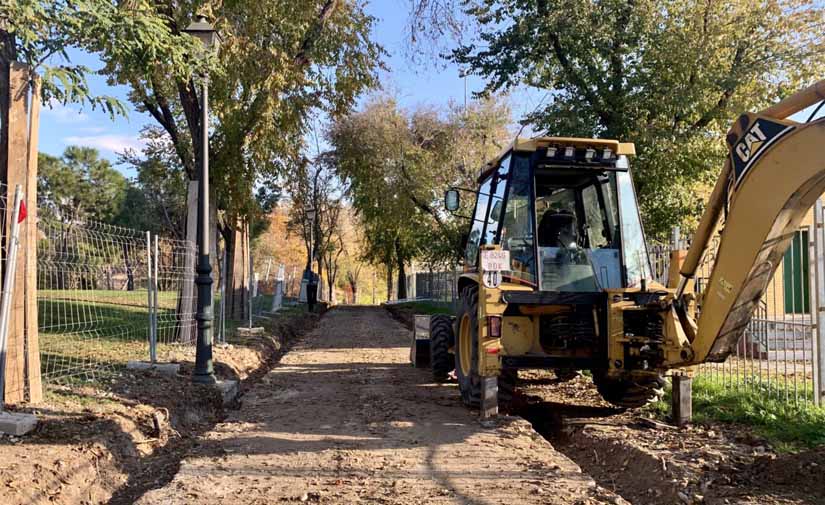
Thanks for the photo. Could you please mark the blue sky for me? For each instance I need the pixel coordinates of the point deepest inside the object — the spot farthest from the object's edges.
(66, 125)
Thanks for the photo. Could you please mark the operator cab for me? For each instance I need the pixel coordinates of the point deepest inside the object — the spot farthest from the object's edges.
(567, 212)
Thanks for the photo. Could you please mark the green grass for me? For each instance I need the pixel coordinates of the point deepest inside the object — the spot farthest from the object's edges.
(426, 307)
(788, 426)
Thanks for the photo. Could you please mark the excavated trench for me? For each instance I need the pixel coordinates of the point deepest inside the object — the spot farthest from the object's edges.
(630, 472)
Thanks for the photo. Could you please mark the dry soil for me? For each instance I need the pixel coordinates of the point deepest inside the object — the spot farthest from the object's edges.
(344, 418)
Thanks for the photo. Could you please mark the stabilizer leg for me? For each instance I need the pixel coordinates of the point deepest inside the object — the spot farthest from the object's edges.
(489, 397)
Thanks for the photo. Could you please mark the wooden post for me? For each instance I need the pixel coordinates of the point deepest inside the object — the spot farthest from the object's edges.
(17, 150)
(239, 277)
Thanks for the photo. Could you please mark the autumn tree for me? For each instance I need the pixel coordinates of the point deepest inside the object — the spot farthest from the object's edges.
(277, 63)
(312, 186)
(397, 165)
(280, 245)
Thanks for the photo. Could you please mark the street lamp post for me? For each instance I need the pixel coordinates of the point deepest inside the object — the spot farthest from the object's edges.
(312, 287)
(204, 373)
(311, 216)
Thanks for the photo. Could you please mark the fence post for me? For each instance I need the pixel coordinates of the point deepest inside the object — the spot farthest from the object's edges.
(222, 303)
(155, 296)
(251, 280)
(150, 296)
(819, 303)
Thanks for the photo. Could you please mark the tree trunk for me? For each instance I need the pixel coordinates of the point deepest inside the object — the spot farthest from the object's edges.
(402, 276)
(8, 54)
(130, 275)
(228, 235)
(389, 281)
(187, 297)
(402, 280)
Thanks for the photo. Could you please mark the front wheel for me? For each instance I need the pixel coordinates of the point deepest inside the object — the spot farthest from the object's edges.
(466, 356)
(466, 348)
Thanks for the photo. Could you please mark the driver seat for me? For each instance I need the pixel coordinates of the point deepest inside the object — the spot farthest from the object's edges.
(552, 224)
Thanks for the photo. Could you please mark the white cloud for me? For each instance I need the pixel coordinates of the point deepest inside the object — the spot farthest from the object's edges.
(62, 113)
(110, 142)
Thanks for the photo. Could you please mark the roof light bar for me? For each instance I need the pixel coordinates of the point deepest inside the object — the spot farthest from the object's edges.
(589, 154)
(569, 152)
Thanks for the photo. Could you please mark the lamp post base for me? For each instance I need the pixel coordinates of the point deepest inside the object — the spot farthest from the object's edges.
(205, 378)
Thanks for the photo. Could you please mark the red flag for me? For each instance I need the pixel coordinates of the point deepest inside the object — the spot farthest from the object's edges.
(22, 215)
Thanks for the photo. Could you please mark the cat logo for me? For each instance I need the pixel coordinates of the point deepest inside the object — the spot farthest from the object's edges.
(761, 134)
(751, 143)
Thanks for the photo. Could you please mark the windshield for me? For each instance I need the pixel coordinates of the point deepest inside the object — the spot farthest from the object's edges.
(517, 223)
(637, 261)
(577, 227)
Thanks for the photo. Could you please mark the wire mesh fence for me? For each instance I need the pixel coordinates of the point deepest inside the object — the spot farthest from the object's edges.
(95, 290)
(174, 281)
(433, 285)
(776, 355)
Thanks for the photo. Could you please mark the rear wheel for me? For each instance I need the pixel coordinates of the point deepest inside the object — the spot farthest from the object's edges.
(466, 355)
(441, 339)
(629, 392)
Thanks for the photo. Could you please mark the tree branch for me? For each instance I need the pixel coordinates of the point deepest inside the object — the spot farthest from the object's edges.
(727, 91)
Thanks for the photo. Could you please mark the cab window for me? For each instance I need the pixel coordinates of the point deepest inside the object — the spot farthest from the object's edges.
(479, 218)
(517, 223)
(497, 202)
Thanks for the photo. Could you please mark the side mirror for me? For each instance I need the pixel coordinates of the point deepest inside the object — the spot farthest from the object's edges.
(451, 200)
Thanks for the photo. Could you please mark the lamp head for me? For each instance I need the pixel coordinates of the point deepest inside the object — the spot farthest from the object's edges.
(204, 31)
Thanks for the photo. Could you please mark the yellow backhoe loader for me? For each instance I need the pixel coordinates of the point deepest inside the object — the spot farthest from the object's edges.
(557, 274)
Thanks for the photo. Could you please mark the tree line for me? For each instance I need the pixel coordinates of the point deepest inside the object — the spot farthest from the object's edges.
(669, 75)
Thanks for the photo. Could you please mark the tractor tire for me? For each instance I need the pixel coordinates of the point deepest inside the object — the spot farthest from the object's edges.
(466, 348)
(629, 392)
(441, 339)
(469, 381)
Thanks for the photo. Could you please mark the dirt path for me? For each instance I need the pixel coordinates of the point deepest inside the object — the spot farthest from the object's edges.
(344, 419)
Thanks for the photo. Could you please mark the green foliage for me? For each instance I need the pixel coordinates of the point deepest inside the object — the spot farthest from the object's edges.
(279, 63)
(39, 32)
(397, 165)
(79, 186)
(156, 198)
(425, 307)
(670, 75)
(787, 426)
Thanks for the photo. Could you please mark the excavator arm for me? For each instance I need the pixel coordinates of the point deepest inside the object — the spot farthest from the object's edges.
(774, 173)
